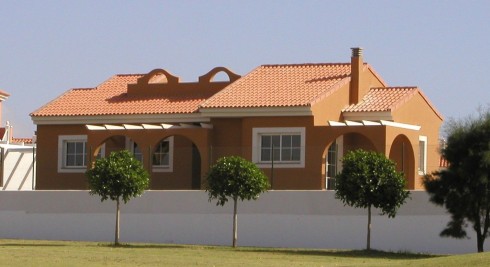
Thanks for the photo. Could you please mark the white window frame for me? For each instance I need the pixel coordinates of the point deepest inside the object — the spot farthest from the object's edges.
(422, 170)
(101, 152)
(170, 166)
(339, 153)
(130, 147)
(256, 143)
(62, 140)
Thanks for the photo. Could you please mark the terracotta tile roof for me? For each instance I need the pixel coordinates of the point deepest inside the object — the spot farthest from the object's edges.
(22, 140)
(111, 98)
(383, 99)
(281, 86)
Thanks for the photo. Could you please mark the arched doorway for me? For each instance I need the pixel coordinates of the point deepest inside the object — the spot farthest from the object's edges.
(336, 150)
(117, 143)
(401, 152)
(175, 164)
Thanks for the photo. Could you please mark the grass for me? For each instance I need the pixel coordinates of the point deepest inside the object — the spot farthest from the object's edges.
(71, 253)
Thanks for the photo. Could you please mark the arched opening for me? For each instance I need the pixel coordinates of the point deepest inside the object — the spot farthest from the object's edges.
(220, 77)
(332, 155)
(401, 152)
(117, 143)
(176, 164)
(158, 78)
(219, 74)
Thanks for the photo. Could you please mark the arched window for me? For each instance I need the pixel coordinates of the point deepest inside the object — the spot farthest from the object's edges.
(162, 159)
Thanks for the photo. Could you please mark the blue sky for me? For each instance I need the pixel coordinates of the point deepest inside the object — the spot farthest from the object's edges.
(48, 47)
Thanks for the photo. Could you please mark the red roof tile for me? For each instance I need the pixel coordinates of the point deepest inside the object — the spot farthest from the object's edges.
(281, 86)
(22, 140)
(111, 98)
(383, 99)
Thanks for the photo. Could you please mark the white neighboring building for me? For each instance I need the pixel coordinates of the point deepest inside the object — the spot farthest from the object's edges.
(17, 158)
(17, 162)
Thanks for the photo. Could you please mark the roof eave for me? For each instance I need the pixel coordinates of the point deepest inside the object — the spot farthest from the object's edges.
(368, 115)
(256, 112)
(107, 119)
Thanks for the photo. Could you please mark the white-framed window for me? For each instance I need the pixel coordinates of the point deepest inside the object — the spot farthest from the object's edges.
(101, 153)
(281, 147)
(162, 159)
(334, 161)
(422, 155)
(72, 153)
(134, 149)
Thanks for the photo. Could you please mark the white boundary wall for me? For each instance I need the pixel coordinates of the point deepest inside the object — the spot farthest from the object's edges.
(295, 219)
(18, 166)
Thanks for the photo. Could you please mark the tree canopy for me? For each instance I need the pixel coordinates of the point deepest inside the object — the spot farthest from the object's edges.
(118, 176)
(463, 188)
(236, 178)
(368, 179)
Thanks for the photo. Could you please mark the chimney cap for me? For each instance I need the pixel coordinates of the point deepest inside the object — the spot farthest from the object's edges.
(356, 51)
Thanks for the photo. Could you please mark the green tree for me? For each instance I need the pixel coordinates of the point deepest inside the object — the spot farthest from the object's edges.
(119, 176)
(236, 178)
(368, 179)
(463, 188)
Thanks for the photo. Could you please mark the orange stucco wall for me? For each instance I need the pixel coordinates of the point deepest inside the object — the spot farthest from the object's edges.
(234, 137)
(417, 112)
(196, 149)
(48, 176)
(184, 164)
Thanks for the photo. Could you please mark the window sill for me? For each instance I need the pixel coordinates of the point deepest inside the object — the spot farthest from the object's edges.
(73, 170)
(161, 169)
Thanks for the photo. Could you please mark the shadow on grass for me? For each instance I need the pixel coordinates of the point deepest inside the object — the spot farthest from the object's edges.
(142, 246)
(31, 245)
(374, 254)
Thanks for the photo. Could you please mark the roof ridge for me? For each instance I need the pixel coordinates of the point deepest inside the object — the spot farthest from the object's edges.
(129, 74)
(82, 88)
(395, 87)
(304, 64)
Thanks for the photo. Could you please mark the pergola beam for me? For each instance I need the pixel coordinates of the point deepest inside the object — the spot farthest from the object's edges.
(145, 126)
(350, 123)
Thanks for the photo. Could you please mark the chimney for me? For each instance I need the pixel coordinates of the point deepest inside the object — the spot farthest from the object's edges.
(356, 71)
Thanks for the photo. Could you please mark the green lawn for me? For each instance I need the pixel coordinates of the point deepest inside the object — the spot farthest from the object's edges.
(68, 253)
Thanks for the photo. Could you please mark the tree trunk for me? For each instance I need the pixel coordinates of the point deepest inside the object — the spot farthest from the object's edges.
(480, 239)
(368, 241)
(235, 222)
(480, 236)
(116, 234)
